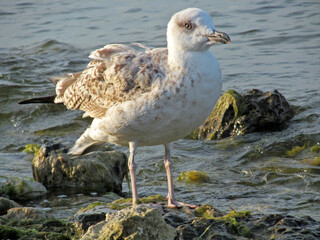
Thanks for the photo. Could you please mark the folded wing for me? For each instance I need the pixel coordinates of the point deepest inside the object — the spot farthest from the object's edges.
(116, 74)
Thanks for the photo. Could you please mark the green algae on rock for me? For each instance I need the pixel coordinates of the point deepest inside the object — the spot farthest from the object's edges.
(6, 204)
(126, 202)
(153, 199)
(231, 220)
(32, 148)
(92, 205)
(315, 148)
(229, 107)
(27, 213)
(295, 151)
(86, 217)
(31, 223)
(138, 222)
(35, 230)
(193, 177)
(95, 212)
(207, 211)
(100, 170)
(204, 222)
(312, 162)
(307, 155)
(237, 114)
(234, 225)
(18, 188)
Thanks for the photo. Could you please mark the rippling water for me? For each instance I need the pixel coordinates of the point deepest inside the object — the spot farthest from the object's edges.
(275, 45)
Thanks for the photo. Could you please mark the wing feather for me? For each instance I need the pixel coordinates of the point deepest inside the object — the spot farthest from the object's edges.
(116, 74)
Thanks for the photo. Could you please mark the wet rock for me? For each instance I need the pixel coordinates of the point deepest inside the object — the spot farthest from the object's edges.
(30, 223)
(176, 218)
(204, 229)
(24, 213)
(145, 221)
(32, 148)
(194, 177)
(6, 204)
(278, 226)
(212, 224)
(85, 218)
(103, 170)
(236, 114)
(138, 222)
(18, 188)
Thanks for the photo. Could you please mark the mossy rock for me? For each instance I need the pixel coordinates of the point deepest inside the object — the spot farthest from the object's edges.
(204, 222)
(295, 151)
(235, 226)
(207, 211)
(32, 148)
(312, 162)
(6, 204)
(92, 205)
(233, 222)
(18, 188)
(126, 202)
(193, 177)
(137, 222)
(122, 203)
(29, 229)
(228, 108)
(238, 114)
(99, 170)
(315, 149)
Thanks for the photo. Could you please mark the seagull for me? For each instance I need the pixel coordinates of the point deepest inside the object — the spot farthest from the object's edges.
(150, 97)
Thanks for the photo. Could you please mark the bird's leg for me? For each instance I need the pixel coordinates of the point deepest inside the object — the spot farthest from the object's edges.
(132, 168)
(167, 164)
(172, 203)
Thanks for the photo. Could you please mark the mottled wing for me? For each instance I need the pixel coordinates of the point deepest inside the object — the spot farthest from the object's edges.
(116, 74)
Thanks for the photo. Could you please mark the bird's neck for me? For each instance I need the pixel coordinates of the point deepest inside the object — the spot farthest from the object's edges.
(181, 57)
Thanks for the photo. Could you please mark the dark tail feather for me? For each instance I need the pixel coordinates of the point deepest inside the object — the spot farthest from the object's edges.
(48, 99)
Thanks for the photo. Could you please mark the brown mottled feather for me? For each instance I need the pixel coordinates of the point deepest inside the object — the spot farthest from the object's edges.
(116, 74)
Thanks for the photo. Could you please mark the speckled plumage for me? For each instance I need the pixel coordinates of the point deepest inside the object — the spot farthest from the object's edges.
(116, 74)
(148, 97)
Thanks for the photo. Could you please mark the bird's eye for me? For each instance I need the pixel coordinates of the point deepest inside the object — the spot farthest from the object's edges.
(188, 25)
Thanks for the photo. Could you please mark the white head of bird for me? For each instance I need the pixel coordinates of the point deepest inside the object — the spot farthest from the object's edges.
(193, 30)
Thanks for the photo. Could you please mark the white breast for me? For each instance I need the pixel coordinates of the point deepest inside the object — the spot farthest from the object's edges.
(170, 112)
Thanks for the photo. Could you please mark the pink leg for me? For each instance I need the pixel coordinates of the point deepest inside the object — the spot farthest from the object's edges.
(167, 164)
(132, 169)
(172, 203)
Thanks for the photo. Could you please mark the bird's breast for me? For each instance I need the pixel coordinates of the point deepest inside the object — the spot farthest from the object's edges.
(170, 111)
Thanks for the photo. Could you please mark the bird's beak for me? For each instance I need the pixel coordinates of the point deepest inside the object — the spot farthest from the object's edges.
(219, 37)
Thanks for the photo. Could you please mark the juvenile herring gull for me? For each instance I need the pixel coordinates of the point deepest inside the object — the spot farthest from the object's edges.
(148, 98)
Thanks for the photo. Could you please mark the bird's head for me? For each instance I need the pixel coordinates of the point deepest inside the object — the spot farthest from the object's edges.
(192, 29)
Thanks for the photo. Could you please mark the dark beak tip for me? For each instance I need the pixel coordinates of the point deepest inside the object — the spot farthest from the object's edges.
(227, 38)
(220, 37)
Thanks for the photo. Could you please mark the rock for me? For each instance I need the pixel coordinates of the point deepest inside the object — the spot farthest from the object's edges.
(18, 188)
(96, 212)
(278, 226)
(103, 170)
(194, 177)
(32, 148)
(31, 223)
(140, 222)
(83, 219)
(236, 114)
(145, 221)
(24, 213)
(6, 204)
(204, 229)
(212, 224)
